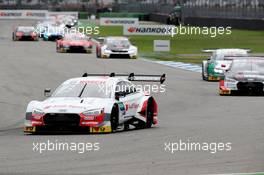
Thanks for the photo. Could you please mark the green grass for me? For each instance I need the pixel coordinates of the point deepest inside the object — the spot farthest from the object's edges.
(191, 44)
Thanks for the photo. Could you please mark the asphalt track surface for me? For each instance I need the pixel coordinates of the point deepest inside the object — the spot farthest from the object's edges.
(190, 109)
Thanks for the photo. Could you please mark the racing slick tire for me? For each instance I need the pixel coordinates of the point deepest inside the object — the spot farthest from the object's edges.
(98, 55)
(149, 113)
(203, 73)
(58, 49)
(114, 118)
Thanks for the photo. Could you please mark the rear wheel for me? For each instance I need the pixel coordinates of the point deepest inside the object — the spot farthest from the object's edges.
(114, 118)
(149, 114)
(203, 74)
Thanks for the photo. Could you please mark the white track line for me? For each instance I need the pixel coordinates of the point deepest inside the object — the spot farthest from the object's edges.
(178, 65)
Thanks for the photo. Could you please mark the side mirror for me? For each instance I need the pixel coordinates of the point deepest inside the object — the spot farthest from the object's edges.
(47, 92)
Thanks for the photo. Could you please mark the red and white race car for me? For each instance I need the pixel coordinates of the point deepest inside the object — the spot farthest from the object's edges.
(96, 103)
(25, 33)
(74, 43)
(112, 47)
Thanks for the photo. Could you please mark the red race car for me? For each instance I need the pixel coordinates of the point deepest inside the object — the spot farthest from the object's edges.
(74, 43)
(25, 33)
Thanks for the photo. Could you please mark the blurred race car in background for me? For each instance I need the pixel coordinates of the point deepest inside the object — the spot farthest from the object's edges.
(96, 103)
(68, 20)
(245, 76)
(212, 69)
(42, 26)
(74, 43)
(25, 33)
(53, 33)
(112, 47)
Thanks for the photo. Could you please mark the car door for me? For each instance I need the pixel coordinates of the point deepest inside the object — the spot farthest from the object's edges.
(130, 99)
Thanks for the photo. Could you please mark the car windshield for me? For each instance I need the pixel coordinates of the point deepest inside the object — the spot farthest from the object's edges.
(82, 89)
(25, 29)
(247, 65)
(117, 42)
(75, 38)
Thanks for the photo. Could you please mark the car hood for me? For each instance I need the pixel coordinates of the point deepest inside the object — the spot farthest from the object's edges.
(77, 43)
(72, 105)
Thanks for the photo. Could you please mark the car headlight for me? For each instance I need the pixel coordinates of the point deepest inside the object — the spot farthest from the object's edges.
(37, 113)
(93, 112)
(107, 49)
(133, 49)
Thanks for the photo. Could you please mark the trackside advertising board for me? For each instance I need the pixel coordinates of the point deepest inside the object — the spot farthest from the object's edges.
(161, 45)
(147, 30)
(32, 14)
(55, 14)
(118, 21)
(23, 14)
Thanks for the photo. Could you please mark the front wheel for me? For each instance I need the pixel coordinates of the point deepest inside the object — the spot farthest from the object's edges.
(203, 74)
(57, 49)
(114, 118)
(98, 55)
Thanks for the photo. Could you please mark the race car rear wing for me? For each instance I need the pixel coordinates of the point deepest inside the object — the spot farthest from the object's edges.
(211, 50)
(243, 57)
(133, 77)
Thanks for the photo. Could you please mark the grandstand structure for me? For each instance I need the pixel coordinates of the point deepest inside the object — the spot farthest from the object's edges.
(240, 13)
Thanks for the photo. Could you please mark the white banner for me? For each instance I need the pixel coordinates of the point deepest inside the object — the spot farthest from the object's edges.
(55, 14)
(23, 14)
(161, 45)
(147, 30)
(118, 21)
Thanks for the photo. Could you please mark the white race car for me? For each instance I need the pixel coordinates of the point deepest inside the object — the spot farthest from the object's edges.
(213, 68)
(245, 76)
(116, 47)
(95, 103)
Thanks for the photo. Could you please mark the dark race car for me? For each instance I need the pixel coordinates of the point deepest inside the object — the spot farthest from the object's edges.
(25, 33)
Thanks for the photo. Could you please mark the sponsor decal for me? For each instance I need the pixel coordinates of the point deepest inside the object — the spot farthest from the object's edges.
(147, 30)
(23, 14)
(131, 106)
(36, 14)
(56, 14)
(14, 14)
(63, 106)
(30, 129)
(102, 129)
(118, 21)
